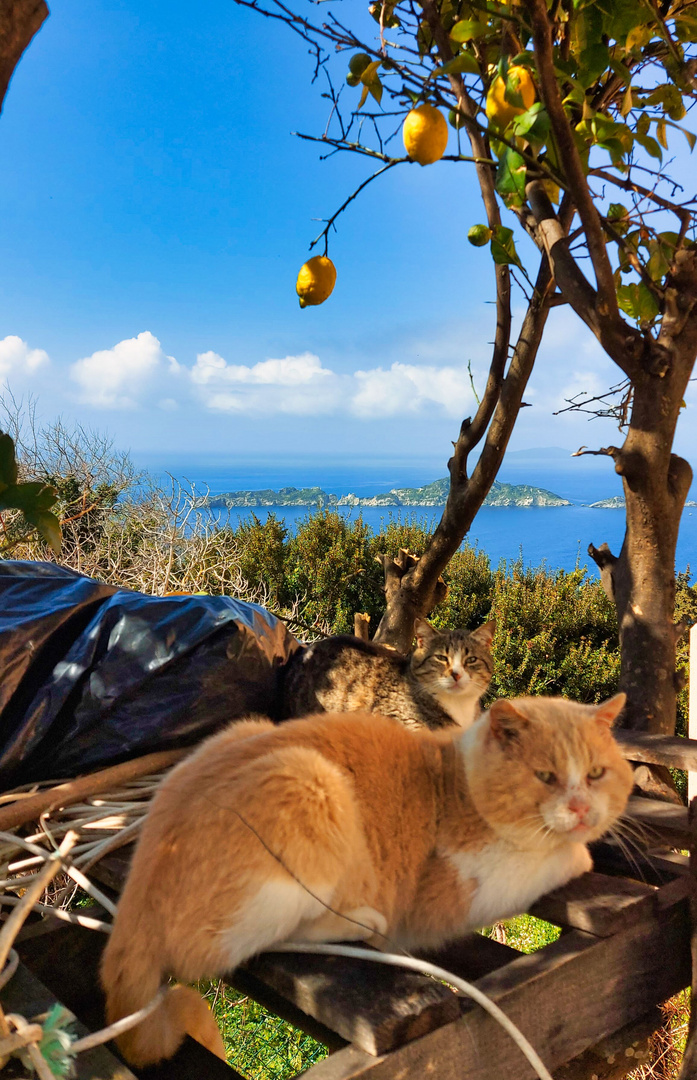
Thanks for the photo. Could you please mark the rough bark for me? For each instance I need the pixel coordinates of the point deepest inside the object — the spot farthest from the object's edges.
(19, 21)
(641, 580)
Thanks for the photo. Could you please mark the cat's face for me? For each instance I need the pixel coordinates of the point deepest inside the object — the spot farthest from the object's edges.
(554, 772)
(453, 662)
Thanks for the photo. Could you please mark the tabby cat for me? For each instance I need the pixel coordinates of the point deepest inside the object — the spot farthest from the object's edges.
(340, 827)
(440, 684)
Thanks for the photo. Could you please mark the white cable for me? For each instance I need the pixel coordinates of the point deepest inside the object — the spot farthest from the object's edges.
(439, 973)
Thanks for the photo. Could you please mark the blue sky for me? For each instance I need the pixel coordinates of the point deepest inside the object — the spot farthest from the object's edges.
(156, 209)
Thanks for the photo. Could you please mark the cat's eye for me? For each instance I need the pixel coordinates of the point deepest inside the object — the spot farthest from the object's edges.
(546, 777)
(442, 657)
(596, 772)
(471, 660)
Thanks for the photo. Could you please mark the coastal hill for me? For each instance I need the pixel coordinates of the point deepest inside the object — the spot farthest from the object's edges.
(433, 494)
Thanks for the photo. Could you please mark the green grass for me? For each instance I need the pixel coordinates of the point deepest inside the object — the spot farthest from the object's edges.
(259, 1044)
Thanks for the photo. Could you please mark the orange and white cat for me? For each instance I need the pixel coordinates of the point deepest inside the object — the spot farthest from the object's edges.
(412, 838)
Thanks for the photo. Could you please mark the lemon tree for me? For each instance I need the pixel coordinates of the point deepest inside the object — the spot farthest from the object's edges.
(571, 114)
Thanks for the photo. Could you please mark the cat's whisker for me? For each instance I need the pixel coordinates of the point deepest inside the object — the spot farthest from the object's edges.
(623, 844)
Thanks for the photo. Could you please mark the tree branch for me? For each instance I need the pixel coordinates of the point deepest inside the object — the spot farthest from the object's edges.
(19, 21)
(465, 496)
(622, 342)
(606, 300)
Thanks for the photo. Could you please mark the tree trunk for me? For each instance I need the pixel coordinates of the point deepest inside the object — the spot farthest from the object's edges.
(641, 581)
(19, 21)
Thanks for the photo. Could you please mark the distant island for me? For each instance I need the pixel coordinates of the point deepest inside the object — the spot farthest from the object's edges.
(433, 494)
(617, 503)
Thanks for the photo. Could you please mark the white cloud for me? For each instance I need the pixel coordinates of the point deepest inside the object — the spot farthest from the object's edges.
(119, 378)
(408, 388)
(295, 384)
(16, 357)
(302, 386)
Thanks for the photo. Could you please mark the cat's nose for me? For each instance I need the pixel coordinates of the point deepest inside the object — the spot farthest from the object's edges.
(457, 675)
(578, 806)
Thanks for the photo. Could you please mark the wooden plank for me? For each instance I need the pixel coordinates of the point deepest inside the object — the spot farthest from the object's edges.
(674, 751)
(67, 961)
(692, 710)
(654, 867)
(26, 995)
(689, 1063)
(660, 821)
(596, 903)
(374, 1007)
(473, 956)
(565, 998)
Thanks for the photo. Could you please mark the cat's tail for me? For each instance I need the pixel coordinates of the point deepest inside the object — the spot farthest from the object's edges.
(131, 977)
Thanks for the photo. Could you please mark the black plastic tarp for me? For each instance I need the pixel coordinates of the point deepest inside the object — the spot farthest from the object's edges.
(91, 675)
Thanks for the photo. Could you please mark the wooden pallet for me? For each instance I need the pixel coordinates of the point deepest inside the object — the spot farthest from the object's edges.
(625, 947)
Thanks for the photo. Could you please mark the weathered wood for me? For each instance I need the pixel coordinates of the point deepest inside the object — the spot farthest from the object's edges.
(67, 962)
(597, 903)
(612, 1058)
(689, 1063)
(558, 999)
(371, 1006)
(25, 808)
(655, 867)
(374, 1007)
(473, 956)
(660, 821)
(26, 995)
(671, 750)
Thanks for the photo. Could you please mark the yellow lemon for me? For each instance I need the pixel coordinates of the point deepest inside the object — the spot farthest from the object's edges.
(316, 280)
(500, 111)
(425, 134)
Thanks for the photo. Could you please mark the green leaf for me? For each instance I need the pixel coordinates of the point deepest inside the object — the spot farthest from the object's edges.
(534, 122)
(510, 177)
(463, 64)
(503, 249)
(650, 145)
(618, 215)
(466, 29)
(637, 301)
(48, 526)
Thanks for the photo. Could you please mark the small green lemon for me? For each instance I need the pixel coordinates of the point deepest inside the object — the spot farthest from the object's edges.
(479, 235)
(425, 134)
(315, 281)
(358, 63)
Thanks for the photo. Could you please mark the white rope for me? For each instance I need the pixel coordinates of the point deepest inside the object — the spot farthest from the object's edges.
(439, 973)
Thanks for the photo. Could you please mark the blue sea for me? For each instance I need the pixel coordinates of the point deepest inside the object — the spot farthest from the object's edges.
(556, 536)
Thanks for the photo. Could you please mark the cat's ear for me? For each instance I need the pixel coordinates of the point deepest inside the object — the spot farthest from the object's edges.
(506, 721)
(423, 632)
(608, 711)
(484, 634)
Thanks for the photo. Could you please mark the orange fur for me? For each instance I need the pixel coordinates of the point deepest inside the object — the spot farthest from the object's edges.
(419, 836)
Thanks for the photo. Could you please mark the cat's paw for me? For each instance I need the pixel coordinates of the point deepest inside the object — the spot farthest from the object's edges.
(371, 922)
